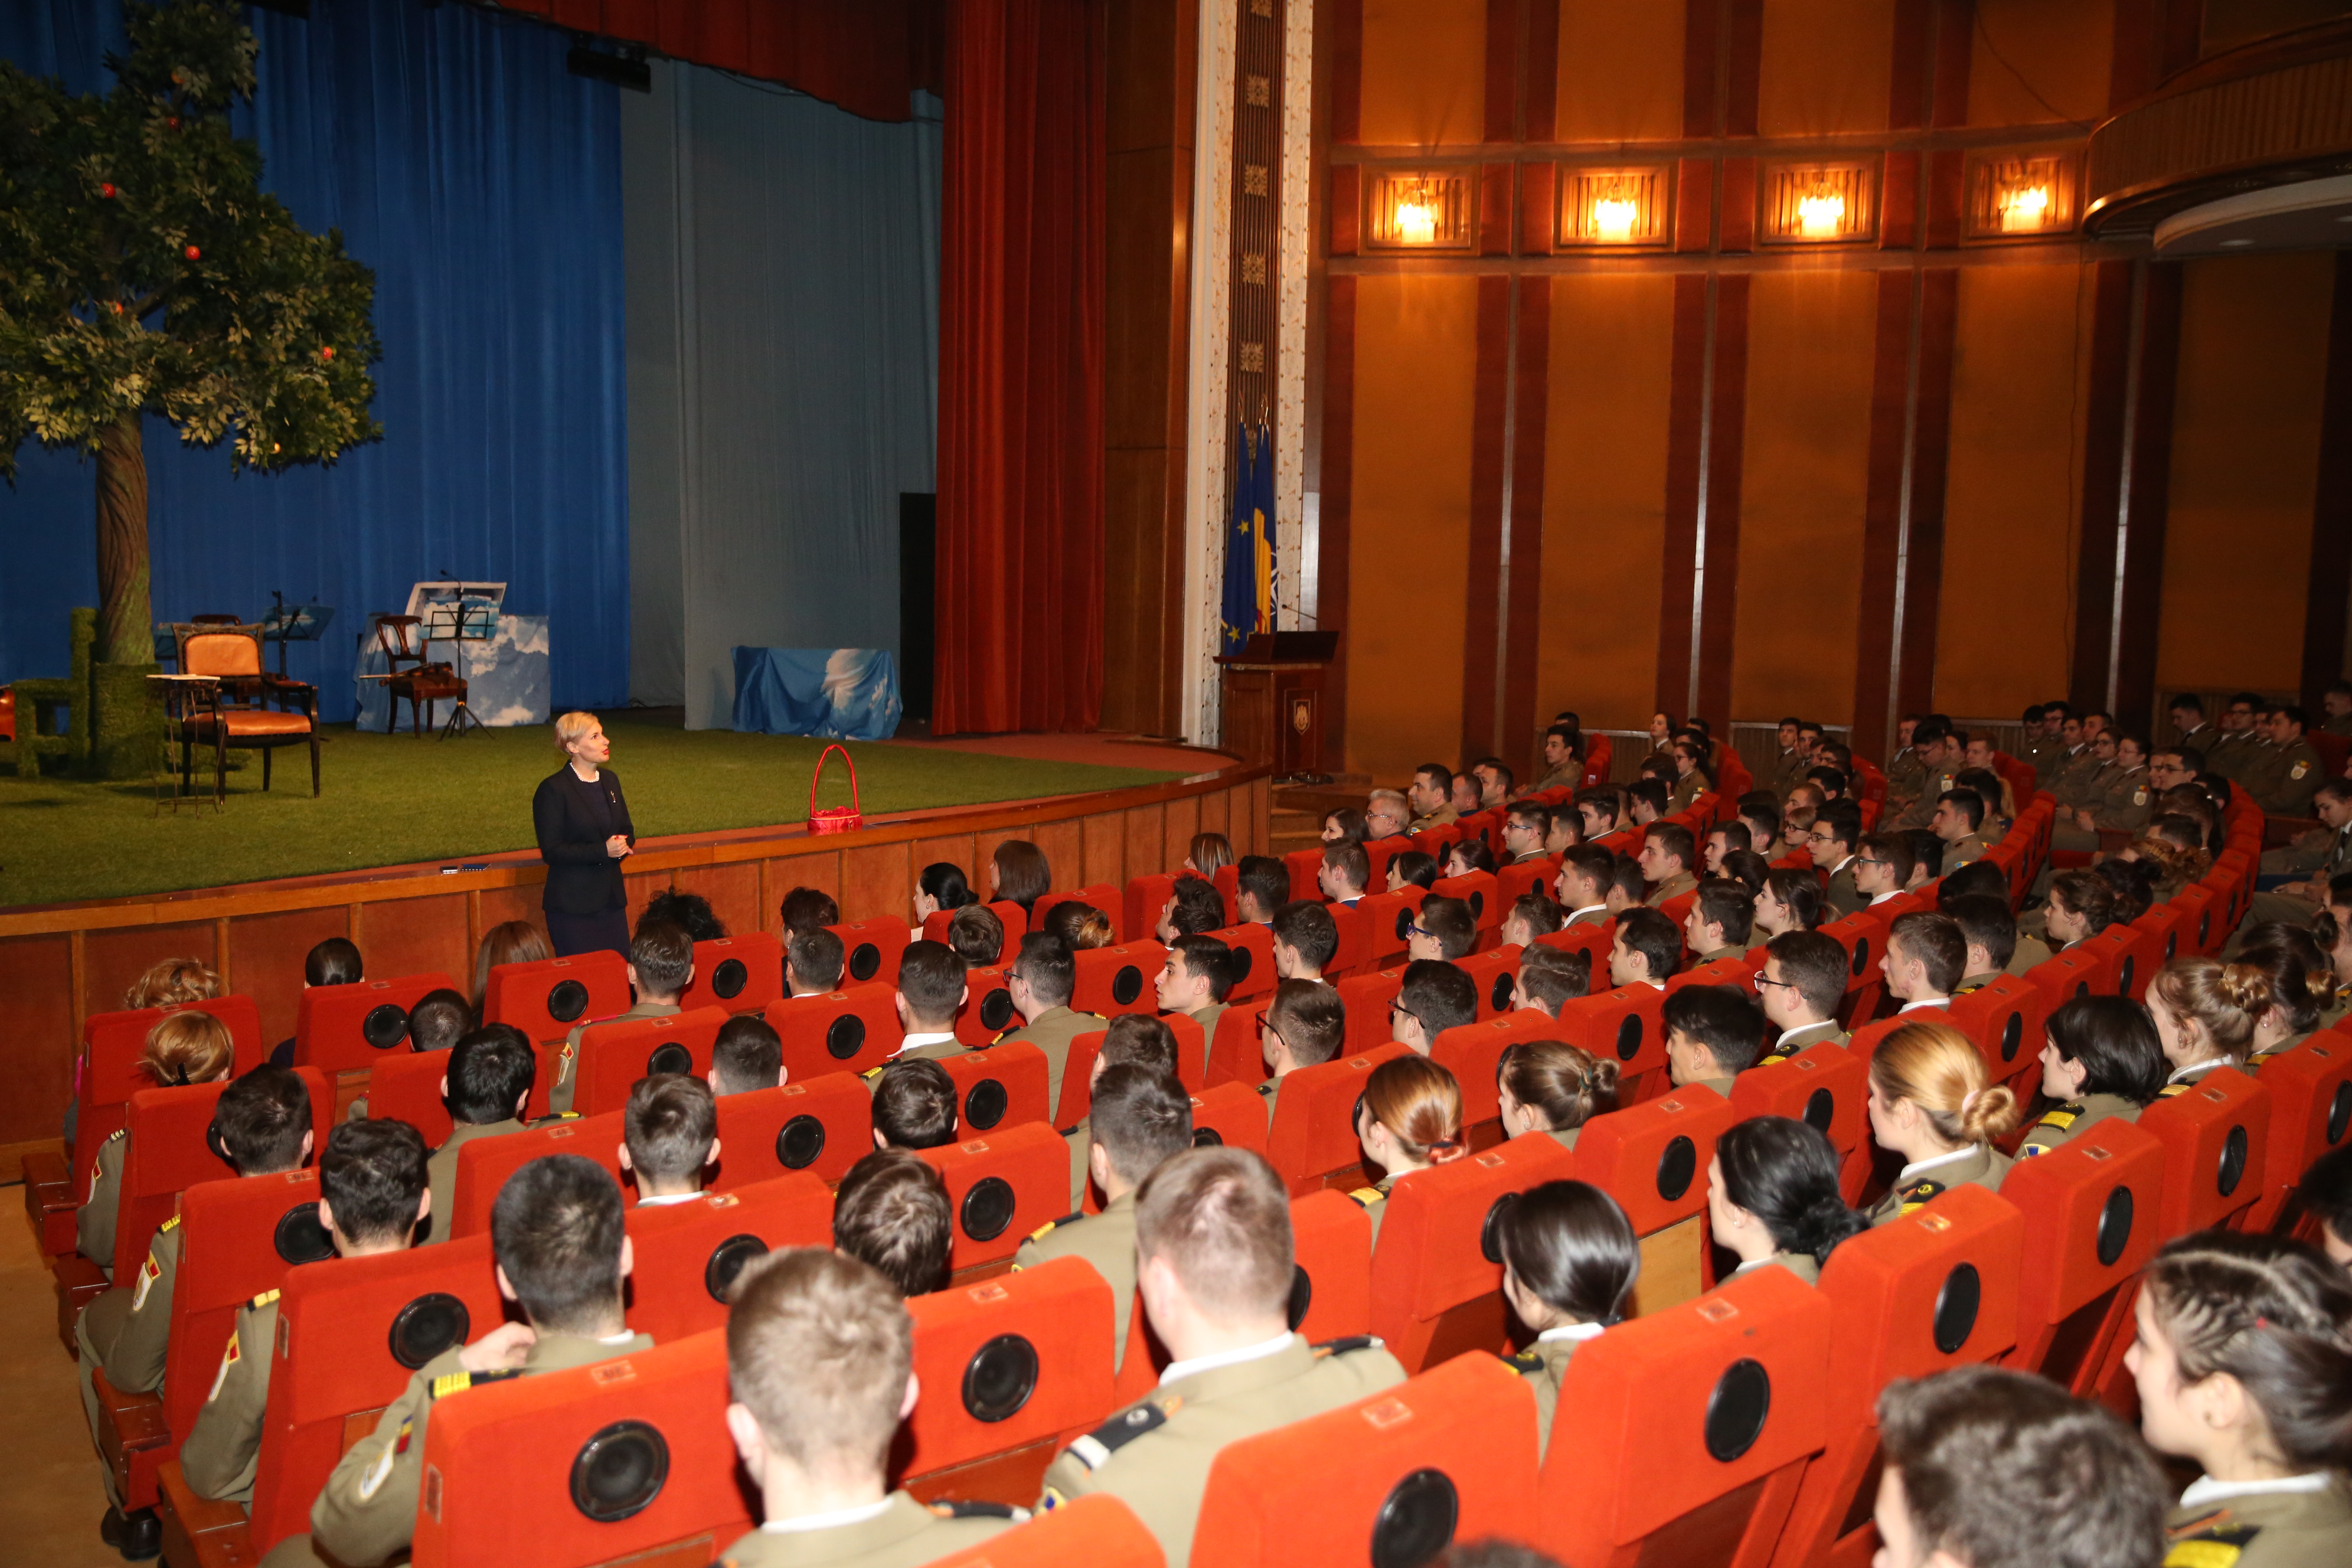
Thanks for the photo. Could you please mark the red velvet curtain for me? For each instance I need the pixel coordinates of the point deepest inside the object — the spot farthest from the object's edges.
(864, 56)
(1020, 619)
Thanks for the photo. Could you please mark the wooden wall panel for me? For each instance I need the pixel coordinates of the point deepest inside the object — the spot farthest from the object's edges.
(266, 952)
(1621, 71)
(2245, 452)
(1811, 337)
(43, 1037)
(1183, 821)
(111, 960)
(1145, 830)
(1213, 818)
(1416, 358)
(1604, 496)
(1825, 67)
(823, 872)
(2014, 487)
(733, 892)
(1424, 72)
(1065, 848)
(499, 905)
(1103, 851)
(874, 882)
(2064, 49)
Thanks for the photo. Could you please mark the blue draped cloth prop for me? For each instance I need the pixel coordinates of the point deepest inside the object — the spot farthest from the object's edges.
(835, 694)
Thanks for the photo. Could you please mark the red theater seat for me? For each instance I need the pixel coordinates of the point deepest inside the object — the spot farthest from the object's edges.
(687, 1256)
(1252, 959)
(1077, 1071)
(614, 1056)
(1472, 1053)
(1230, 1114)
(1594, 941)
(2077, 971)
(1379, 852)
(1691, 1429)
(740, 974)
(1437, 1275)
(1096, 1531)
(406, 1087)
(545, 999)
(2131, 956)
(842, 1031)
(1479, 889)
(1305, 868)
(1355, 942)
(1515, 881)
(1122, 979)
(1739, 970)
(171, 1151)
(1651, 1157)
(2090, 1206)
(1935, 1290)
(2162, 926)
(1331, 1274)
(348, 1028)
(998, 1088)
(1365, 998)
(1452, 1446)
(2201, 933)
(1102, 896)
(485, 1164)
(1826, 1087)
(1314, 1131)
(621, 1459)
(2215, 1137)
(1144, 899)
(1388, 921)
(1001, 1187)
(2311, 1112)
(1494, 975)
(987, 1011)
(1237, 1053)
(870, 951)
(1228, 880)
(1627, 1025)
(823, 1125)
(2004, 1021)
(1863, 937)
(1011, 1368)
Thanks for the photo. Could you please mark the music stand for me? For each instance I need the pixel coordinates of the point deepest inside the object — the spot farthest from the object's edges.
(458, 612)
(298, 623)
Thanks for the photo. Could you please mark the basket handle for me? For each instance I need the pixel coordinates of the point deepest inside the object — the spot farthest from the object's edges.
(814, 777)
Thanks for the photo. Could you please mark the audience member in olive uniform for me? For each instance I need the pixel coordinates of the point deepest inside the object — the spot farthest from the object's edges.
(1434, 996)
(1552, 1087)
(1941, 755)
(372, 1193)
(1137, 1039)
(1958, 820)
(820, 1359)
(669, 1137)
(2118, 797)
(1569, 1261)
(1140, 1119)
(183, 1048)
(562, 1254)
(487, 1086)
(747, 1056)
(264, 1123)
(1213, 1254)
(1987, 1468)
(1303, 1026)
(1772, 1198)
(2243, 1361)
(661, 966)
(2205, 1014)
(1802, 982)
(892, 1214)
(933, 986)
(1431, 794)
(1720, 921)
(1930, 1103)
(1041, 980)
(2102, 1062)
(1408, 1119)
(1668, 853)
(1714, 1033)
(1833, 841)
(2240, 744)
(2323, 851)
(2284, 775)
(1991, 932)
(1195, 981)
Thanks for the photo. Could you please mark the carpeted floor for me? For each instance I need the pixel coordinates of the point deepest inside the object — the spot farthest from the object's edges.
(50, 1492)
(391, 799)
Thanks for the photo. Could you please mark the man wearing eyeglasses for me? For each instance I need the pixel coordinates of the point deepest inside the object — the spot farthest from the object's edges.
(1831, 842)
(1385, 816)
(1882, 866)
(1802, 982)
(1435, 998)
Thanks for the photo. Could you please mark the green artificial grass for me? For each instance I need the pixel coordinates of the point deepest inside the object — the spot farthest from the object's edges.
(388, 799)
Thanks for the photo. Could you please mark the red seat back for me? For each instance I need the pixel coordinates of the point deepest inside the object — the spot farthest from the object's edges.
(1314, 1131)
(1515, 881)
(870, 951)
(1863, 936)
(1252, 959)
(1464, 1433)
(2090, 1207)
(1651, 1157)
(1101, 896)
(1388, 922)
(2162, 926)
(1078, 1070)
(1331, 1274)
(842, 1031)
(342, 1028)
(110, 1073)
(2311, 1112)
(1826, 1087)
(1122, 979)
(1365, 998)
(506, 1466)
(1232, 1114)
(545, 999)
(1305, 868)
(485, 1164)
(1690, 1429)
(740, 974)
(687, 1256)
(1592, 940)
(1377, 853)
(1001, 1187)
(1097, 1530)
(978, 1346)
(614, 1056)
(1472, 1052)
(1740, 970)
(2132, 957)
(2200, 931)
(1237, 1054)
(1494, 975)
(1437, 1274)
(987, 1011)
(1626, 1025)
(1479, 889)
(999, 1088)
(350, 1333)
(2004, 1021)
(2215, 1137)
(1146, 897)
(406, 1087)
(1355, 941)
(171, 1150)
(2076, 971)
(822, 1125)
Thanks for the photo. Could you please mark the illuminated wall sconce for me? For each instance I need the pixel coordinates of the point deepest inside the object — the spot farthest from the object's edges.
(1615, 209)
(1421, 209)
(2021, 196)
(1820, 204)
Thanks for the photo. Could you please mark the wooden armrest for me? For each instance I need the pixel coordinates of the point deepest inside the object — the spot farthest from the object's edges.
(2280, 831)
(78, 1282)
(200, 1533)
(127, 1423)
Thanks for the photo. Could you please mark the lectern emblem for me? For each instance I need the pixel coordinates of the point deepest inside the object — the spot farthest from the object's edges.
(1301, 716)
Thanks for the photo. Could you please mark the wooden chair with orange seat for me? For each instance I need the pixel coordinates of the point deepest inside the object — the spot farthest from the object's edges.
(412, 678)
(234, 710)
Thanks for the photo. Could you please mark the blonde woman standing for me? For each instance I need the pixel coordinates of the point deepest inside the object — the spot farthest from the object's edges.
(583, 822)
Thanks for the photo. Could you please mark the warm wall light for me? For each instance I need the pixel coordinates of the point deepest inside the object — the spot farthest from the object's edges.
(1415, 223)
(2013, 195)
(1614, 218)
(1819, 204)
(1420, 209)
(2025, 210)
(1611, 208)
(1818, 214)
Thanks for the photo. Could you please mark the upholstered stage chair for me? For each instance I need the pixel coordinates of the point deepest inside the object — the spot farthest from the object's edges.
(422, 684)
(237, 711)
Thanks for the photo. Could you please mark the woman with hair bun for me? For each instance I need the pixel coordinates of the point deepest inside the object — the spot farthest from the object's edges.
(1409, 1119)
(2205, 1012)
(1551, 1087)
(2102, 1062)
(1772, 1197)
(1931, 1103)
(2244, 1359)
(942, 886)
(1569, 1261)
(2300, 975)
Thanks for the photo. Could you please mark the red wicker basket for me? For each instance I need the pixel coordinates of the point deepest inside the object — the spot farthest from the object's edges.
(834, 818)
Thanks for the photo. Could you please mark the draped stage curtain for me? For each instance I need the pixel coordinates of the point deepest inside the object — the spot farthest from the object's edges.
(482, 182)
(1021, 369)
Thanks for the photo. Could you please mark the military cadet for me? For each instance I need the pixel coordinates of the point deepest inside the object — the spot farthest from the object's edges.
(661, 966)
(1772, 1198)
(561, 1252)
(814, 958)
(2284, 777)
(747, 1054)
(1598, 808)
(1668, 853)
(1550, 979)
(1345, 875)
(1467, 797)
(1041, 980)
(1714, 1033)
(1434, 996)
(1303, 1026)
(1800, 985)
(669, 1137)
(1213, 1266)
(2169, 767)
(1532, 914)
(1195, 906)
(2205, 1013)
(1644, 950)
(2075, 767)
(914, 1105)
(1905, 777)
(1691, 776)
(1931, 1103)
(1719, 918)
(263, 1121)
(1958, 814)
(977, 936)
(1923, 958)
(183, 1048)
(2042, 741)
(820, 1362)
(1831, 841)
(1140, 1040)
(1883, 865)
(1991, 932)
(2102, 1062)
(1563, 768)
(2190, 727)
(1563, 830)
(1987, 1468)
(1581, 885)
(1787, 899)
(2299, 975)
(1646, 800)
(1941, 754)
(1408, 1119)
(1430, 793)
(2243, 1361)
(1140, 1118)
(1444, 930)
(2116, 798)
(2321, 853)
(1721, 840)
(372, 1194)
(1553, 1087)
(933, 986)
(1569, 1261)
(2336, 709)
(1789, 764)
(892, 1214)
(2239, 743)
(1525, 827)
(487, 1086)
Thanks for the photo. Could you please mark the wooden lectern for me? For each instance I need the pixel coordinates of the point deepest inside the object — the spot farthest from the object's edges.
(1274, 698)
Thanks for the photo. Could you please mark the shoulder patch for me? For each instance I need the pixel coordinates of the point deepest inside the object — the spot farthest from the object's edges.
(2062, 1117)
(458, 1382)
(873, 1072)
(1775, 1059)
(978, 1511)
(264, 1299)
(119, 1134)
(1919, 1192)
(1095, 1447)
(380, 1472)
(1347, 1345)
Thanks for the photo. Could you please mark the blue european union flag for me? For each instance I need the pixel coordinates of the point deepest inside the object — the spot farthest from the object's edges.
(1248, 603)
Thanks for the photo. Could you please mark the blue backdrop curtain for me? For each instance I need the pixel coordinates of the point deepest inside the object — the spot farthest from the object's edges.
(482, 182)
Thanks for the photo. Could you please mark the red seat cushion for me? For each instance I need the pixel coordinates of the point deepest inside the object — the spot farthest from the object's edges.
(253, 722)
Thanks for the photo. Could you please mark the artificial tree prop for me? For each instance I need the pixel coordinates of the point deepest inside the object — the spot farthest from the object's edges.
(142, 270)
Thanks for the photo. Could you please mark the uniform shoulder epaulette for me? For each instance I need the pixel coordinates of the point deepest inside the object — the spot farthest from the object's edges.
(119, 1133)
(458, 1382)
(974, 1510)
(1775, 1059)
(2169, 1090)
(1348, 1345)
(1095, 1447)
(171, 1224)
(1007, 1034)
(2062, 1117)
(1525, 1363)
(1367, 1196)
(873, 1072)
(266, 1298)
(1918, 1193)
(1269, 1086)
(1969, 990)
(2216, 1540)
(1051, 1225)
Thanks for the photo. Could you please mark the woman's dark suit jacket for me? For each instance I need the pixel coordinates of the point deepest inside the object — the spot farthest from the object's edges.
(573, 819)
